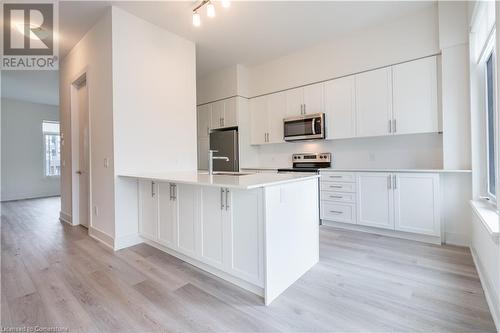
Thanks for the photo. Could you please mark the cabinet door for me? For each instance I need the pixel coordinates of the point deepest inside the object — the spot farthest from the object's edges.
(217, 114)
(212, 227)
(258, 120)
(416, 202)
(415, 96)
(294, 102)
(375, 200)
(148, 209)
(276, 111)
(203, 153)
(339, 108)
(373, 103)
(167, 214)
(230, 118)
(246, 235)
(314, 98)
(204, 118)
(188, 218)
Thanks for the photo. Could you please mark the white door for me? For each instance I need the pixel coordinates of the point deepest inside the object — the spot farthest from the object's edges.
(276, 111)
(230, 112)
(339, 108)
(245, 235)
(314, 98)
(294, 102)
(83, 152)
(204, 119)
(203, 146)
(258, 120)
(375, 200)
(416, 200)
(167, 214)
(148, 209)
(217, 114)
(187, 218)
(374, 103)
(212, 226)
(415, 96)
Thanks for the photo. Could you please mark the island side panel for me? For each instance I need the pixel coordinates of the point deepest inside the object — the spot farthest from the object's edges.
(291, 234)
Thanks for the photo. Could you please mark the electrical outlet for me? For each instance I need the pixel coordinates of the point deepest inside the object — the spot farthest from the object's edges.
(96, 211)
(106, 162)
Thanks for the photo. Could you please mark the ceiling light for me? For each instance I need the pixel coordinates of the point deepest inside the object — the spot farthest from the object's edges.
(196, 19)
(226, 3)
(210, 10)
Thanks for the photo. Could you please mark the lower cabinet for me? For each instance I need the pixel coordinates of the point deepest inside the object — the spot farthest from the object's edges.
(220, 227)
(375, 200)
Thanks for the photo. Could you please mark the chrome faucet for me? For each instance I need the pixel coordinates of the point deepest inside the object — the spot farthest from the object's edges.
(211, 159)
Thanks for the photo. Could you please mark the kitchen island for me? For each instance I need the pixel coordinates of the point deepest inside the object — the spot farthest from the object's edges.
(257, 231)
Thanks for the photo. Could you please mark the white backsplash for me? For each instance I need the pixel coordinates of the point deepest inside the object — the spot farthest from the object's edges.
(418, 151)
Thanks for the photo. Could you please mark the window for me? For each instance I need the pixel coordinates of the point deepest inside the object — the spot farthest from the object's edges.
(490, 127)
(52, 148)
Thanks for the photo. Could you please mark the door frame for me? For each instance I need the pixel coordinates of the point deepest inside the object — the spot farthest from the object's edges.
(75, 181)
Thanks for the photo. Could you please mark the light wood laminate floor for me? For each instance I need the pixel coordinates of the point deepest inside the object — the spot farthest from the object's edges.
(55, 275)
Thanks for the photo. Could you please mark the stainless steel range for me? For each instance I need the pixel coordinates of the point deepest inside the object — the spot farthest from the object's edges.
(309, 162)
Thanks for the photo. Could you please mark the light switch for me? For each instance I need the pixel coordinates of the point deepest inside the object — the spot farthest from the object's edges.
(106, 162)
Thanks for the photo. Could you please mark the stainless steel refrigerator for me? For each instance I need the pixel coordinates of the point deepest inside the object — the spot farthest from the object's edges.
(225, 141)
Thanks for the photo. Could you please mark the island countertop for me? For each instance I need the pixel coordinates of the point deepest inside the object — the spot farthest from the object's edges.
(248, 181)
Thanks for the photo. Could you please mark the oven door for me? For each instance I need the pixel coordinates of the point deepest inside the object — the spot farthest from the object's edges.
(304, 127)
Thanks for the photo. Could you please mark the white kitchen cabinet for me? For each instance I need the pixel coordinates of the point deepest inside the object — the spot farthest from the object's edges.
(294, 102)
(167, 214)
(375, 200)
(340, 108)
(258, 119)
(314, 101)
(276, 111)
(415, 103)
(203, 146)
(374, 103)
(416, 202)
(204, 113)
(148, 209)
(217, 114)
(213, 222)
(245, 235)
(188, 218)
(230, 118)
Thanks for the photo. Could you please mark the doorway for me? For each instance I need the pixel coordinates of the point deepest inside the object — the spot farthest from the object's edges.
(80, 152)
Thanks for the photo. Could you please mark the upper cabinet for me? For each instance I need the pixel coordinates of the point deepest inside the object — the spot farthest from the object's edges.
(373, 103)
(340, 108)
(415, 104)
(204, 120)
(294, 102)
(258, 116)
(267, 113)
(218, 114)
(305, 100)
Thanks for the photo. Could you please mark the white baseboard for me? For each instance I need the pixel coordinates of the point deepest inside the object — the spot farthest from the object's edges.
(489, 292)
(452, 238)
(127, 241)
(65, 217)
(102, 237)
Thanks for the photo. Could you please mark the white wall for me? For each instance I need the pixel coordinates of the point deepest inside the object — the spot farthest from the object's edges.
(154, 107)
(219, 85)
(22, 150)
(93, 55)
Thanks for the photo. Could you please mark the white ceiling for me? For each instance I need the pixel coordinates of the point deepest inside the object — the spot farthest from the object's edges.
(32, 86)
(249, 32)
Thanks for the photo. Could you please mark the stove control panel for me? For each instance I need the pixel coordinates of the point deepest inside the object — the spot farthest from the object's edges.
(312, 157)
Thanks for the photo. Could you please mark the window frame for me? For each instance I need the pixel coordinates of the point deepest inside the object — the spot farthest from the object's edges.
(44, 148)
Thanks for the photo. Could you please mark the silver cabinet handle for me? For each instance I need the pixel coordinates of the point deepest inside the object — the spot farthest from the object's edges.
(389, 182)
(394, 128)
(305, 109)
(170, 188)
(227, 195)
(208, 130)
(390, 126)
(335, 176)
(174, 191)
(336, 196)
(222, 121)
(335, 186)
(152, 189)
(395, 182)
(221, 199)
(335, 212)
(313, 127)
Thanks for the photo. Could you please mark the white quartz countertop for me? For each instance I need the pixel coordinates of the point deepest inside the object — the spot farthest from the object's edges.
(395, 170)
(249, 181)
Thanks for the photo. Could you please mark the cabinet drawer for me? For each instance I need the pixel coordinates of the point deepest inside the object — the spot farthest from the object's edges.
(338, 176)
(338, 196)
(338, 186)
(338, 212)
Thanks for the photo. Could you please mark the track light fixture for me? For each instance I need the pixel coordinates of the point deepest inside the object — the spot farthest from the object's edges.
(210, 10)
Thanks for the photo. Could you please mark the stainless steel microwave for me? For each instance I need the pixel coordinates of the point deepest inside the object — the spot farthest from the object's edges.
(306, 127)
